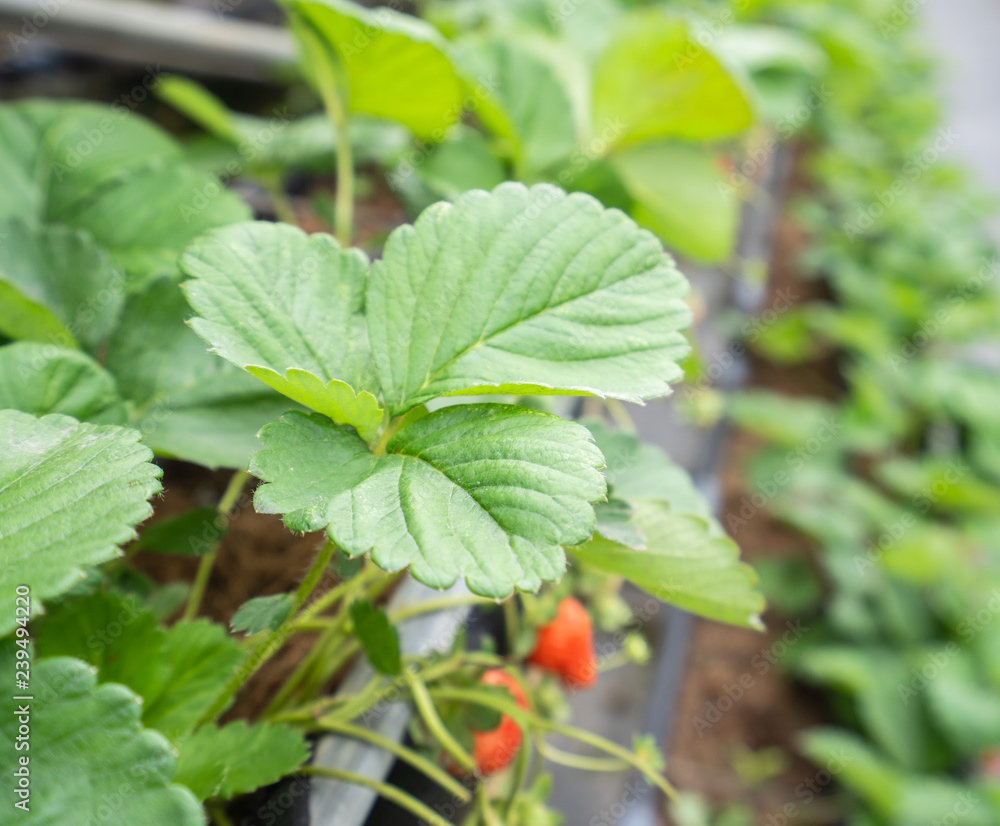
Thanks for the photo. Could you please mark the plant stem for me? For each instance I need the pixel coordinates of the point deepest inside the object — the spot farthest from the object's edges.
(205, 565)
(386, 790)
(580, 761)
(526, 718)
(336, 110)
(314, 574)
(218, 814)
(517, 781)
(404, 753)
(486, 811)
(282, 205)
(620, 415)
(272, 642)
(428, 713)
(441, 604)
(344, 206)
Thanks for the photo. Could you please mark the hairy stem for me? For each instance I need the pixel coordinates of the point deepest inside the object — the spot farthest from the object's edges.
(272, 642)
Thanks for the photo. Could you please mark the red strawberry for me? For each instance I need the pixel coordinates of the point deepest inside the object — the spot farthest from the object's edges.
(494, 749)
(566, 646)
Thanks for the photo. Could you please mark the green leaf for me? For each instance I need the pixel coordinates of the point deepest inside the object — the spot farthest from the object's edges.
(106, 170)
(178, 671)
(90, 149)
(964, 706)
(91, 760)
(487, 492)
(57, 285)
(682, 194)
(199, 105)
(524, 291)
(109, 631)
(684, 564)
(41, 379)
(189, 404)
(615, 521)
(148, 219)
(396, 65)
(259, 613)
(289, 308)
(881, 685)
(22, 156)
(200, 658)
(522, 100)
(463, 162)
(654, 80)
(194, 533)
(237, 758)
(636, 470)
(378, 637)
(70, 493)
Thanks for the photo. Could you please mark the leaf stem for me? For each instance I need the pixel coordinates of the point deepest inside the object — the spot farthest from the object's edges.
(435, 725)
(620, 414)
(404, 753)
(386, 790)
(442, 604)
(282, 205)
(518, 714)
(207, 562)
(272, 642)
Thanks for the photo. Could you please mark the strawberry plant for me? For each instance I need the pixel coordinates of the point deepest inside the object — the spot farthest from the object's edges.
(404, 430)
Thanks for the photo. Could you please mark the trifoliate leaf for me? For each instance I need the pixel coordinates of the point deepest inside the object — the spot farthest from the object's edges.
(289, 308)
(41, 378)
(70, 493)
(91, 760)
(377, 636)
(684, 564)
(261, 613)
(487, 492)
(524, 291)
(238, 758)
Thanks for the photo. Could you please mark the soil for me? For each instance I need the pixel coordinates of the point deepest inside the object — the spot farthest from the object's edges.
(735, 697)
